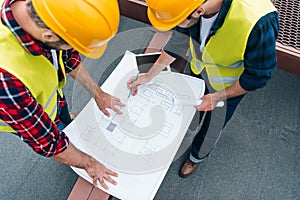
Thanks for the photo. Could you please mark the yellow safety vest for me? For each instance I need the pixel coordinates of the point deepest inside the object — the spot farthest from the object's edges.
(35, 72)
(223, 55)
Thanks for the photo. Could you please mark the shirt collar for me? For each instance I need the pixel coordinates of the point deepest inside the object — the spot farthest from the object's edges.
(24, 38)
(222, 15)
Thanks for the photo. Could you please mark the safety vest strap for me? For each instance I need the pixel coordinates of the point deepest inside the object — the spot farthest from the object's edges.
(62, 83)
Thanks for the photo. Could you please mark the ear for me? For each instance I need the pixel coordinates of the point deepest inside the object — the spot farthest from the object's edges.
(199, 12)
(49, 36)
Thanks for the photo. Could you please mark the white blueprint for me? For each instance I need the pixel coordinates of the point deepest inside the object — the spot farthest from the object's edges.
(141, 143)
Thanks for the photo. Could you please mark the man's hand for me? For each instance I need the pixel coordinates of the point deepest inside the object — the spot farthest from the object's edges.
(73, 157)
(105, 101)
(133, 83)
(209, 102)
(102, 99)
(161, 63)
(99, 172)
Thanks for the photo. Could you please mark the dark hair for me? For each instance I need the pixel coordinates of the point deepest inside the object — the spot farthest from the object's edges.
(35, 16)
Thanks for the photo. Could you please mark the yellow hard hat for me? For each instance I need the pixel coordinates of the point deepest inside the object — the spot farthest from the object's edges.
(166, 14)
(86, 25)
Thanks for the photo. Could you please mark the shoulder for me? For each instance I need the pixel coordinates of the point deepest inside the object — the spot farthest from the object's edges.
(267, 22)
(266, 29)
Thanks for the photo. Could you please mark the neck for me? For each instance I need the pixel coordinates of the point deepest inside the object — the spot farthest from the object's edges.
(212, 7)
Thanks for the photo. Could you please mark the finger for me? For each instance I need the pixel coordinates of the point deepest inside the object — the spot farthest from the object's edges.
(112, 173)
(95, 182)
(118, 102)
(105, 112)
(135, 91)
(130, 81)
(115, 99)
(109, 179)
(116, 110)
(135, 84)
(103, 184)
(201, 108)
(128, 85)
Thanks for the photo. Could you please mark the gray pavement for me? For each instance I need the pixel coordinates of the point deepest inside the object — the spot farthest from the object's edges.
(257, 156)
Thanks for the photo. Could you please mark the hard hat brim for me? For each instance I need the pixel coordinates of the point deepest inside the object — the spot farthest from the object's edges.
(162, 25)
(96, 53)
(165, 25)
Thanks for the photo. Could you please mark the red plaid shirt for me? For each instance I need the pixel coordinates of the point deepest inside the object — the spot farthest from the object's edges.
(19, 109)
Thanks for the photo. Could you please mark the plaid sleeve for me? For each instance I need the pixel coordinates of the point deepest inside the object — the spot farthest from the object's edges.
(260, 56)
(20, 110)
(72, 59)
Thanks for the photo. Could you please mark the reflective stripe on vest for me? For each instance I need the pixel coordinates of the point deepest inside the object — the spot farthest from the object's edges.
(62, 83)
(41, 81)
(223, 55)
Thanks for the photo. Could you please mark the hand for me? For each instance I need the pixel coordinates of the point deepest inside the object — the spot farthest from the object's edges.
(209, 102)
(133, 84)
(99, 172)
(73, 157)
(105, 101)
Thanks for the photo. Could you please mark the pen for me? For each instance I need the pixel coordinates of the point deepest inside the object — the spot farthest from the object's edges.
(131, 89)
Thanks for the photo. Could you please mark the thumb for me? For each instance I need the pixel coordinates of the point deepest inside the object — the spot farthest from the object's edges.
(135, 84)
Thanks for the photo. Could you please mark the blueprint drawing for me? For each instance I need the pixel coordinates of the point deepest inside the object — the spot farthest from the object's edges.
(143, 141)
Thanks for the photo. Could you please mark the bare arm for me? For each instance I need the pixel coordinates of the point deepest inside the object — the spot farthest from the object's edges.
(73, 157)
(102, 99)
(210, 101)
(161, 63)
(233, 91)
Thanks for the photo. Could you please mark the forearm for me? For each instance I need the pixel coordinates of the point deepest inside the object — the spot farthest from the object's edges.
(233, 91)
(161, 63)
(97, 172)
(73, 157)
(81, 75)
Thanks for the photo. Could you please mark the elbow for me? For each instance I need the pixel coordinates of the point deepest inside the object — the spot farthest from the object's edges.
(49, 148)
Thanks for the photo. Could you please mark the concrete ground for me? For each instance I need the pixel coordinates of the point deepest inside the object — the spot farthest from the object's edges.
(257, 156)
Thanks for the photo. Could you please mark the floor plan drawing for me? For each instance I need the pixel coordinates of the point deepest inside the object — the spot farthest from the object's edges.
(143, 141)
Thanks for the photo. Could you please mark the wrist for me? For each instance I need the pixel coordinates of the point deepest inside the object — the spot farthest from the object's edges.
(220, 96)
(88, 162)
(148, 77)
(98, 92)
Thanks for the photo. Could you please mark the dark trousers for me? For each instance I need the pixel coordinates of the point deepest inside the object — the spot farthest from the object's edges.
(64, 116)
(213, 123)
